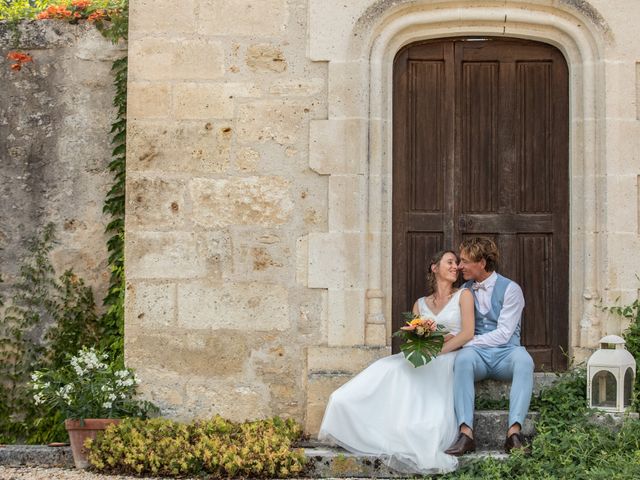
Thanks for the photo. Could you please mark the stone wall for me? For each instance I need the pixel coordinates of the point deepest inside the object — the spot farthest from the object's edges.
(55, 118)
(259, 186)
(220, 200)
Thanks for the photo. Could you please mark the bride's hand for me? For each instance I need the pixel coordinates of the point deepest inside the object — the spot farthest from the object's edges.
(448, 337)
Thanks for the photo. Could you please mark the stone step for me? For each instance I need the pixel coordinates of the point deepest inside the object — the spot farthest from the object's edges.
(35, 456)
(333, 462)
(496, 390)
(490, 428)
(322, 461)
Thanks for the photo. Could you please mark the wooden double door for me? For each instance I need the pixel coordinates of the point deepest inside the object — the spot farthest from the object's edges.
(480, 147)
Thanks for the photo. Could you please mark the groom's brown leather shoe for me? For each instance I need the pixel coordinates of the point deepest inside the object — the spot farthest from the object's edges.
(463, 444)
(514, 441)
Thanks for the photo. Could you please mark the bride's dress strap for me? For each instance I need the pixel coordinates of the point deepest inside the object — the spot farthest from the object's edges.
(423, 309)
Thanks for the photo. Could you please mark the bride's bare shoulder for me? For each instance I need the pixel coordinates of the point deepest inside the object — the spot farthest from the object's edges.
(465, 294)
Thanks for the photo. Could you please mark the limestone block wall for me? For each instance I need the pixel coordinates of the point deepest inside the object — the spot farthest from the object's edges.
(220, 205)
(55, 118)
(259, 186)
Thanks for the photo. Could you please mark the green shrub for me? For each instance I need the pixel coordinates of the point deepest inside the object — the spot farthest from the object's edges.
(16, 10)
(215, 447)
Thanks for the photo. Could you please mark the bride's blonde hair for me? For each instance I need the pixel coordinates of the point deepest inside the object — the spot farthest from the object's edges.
(435, 260)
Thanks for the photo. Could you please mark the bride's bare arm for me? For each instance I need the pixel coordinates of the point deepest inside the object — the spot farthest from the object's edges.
(467, 324)
(416, 309)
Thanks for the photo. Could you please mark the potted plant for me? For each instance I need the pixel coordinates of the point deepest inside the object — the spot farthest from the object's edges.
(92, 394)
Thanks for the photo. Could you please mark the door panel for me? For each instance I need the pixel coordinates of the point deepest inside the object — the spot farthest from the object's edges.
(481, 148)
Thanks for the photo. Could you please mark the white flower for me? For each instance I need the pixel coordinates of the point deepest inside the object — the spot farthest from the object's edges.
(65, 391)
(106, 405)
(35, 376)
(112, 396)
(37, 398)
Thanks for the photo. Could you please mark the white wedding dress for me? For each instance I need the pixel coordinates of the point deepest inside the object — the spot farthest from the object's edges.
(398, 413)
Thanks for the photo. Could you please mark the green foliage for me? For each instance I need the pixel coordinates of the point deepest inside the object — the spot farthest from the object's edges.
(215, 447)
(632, 338)
(117, 28)
(45, 318)
(113, 320)
(16, 10)
(567, 444)
(420, 344)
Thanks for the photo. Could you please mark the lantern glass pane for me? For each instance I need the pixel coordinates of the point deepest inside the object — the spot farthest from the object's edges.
(628, 386)
(603, 389)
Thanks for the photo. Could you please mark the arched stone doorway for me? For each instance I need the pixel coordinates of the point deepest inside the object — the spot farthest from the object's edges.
(480, 147)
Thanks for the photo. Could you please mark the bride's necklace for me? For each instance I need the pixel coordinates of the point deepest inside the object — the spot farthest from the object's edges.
(440, 301)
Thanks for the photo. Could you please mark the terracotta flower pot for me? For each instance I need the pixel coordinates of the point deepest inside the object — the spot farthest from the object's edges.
(79, 433)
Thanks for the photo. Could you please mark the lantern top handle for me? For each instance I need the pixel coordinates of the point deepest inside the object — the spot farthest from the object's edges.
(612, 340)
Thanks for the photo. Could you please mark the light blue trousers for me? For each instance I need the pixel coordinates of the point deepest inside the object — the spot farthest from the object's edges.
(509, 363)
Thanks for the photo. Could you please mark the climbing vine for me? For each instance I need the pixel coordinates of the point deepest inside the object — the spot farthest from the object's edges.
(114, 205)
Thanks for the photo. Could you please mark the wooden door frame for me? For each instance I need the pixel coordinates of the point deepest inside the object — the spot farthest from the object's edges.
(358, 129)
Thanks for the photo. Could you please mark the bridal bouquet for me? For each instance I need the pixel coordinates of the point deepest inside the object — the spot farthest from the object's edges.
(423, 339)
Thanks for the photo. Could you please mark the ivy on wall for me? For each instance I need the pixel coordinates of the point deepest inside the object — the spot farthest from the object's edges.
(114, 205)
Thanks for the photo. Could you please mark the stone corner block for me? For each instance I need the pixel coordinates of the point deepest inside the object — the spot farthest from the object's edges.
(148, 100)
(336, 260)
(319, 389)
(375, 334)
(346, 319)
(204, 305)
(163, 255)
(347, 360)
(257, 19)
(264, 201)
(150, 305)
(338, 146)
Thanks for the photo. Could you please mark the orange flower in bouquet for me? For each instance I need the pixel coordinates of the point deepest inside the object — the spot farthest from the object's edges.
(423, 339)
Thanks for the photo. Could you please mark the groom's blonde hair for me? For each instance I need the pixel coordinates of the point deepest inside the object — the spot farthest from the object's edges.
(478, 248)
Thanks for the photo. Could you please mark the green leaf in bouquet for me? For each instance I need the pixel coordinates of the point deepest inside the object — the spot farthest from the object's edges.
(421, 350)
(408, 316)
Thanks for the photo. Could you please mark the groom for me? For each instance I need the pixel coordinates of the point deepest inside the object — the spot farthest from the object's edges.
(494, 351)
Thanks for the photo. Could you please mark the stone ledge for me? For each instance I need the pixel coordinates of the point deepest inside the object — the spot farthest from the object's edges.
(334, 462)
(35, 456)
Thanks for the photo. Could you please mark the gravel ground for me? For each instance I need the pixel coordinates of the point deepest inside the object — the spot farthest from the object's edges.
(38, 473)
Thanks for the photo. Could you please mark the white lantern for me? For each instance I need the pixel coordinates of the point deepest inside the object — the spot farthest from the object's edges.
(611, 371)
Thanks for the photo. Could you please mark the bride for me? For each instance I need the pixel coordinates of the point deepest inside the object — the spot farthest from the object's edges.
(399, 413)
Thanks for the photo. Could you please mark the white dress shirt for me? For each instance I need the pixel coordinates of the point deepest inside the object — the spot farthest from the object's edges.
(509, 315)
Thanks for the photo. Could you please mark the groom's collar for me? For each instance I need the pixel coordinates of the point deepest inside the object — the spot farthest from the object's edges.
(490, 281)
